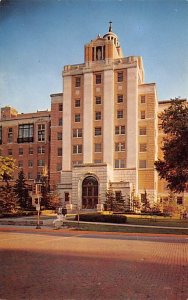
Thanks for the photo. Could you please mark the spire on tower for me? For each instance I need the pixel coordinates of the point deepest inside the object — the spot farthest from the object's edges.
(110, 26)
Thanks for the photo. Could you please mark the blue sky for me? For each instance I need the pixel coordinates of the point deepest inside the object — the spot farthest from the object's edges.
(39, 37)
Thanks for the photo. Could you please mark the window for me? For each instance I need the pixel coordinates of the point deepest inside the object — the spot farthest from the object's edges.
(20, 151)
(77, 103)
(180, 200)
(30, 150)
(60, 107)
(66, 197)
(20, 164)
(120, 77)
(98, 115)
(119, 98)
(59, 151)
(30, 175)
(41, 132)
(143, 114)
(118, 195)
(77, 162)
(143, 99)
(0, 134)
(97, 161)
(98, 78)
(9, 151)
(77, 132)
(142, 164)
(10, 135)
(41, 150)
(60, 122)
(25, 133)
(143, 147)
(98, 147)
(58, 167)
(30, 163)
(119, 147)
(77, 149)
(120, 114)
(119, 130)
(77, 82)
(98, 100)
(40, 163)
(97, 131)
(59, 136)
(119, 163)
(77, 118)
(142, 131)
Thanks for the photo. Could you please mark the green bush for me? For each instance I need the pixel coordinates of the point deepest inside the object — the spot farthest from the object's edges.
(119, 219)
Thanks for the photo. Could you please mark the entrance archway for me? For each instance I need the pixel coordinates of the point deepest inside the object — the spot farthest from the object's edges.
(90, 189)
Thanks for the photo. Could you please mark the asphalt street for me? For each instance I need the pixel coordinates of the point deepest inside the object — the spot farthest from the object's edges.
(73, 265)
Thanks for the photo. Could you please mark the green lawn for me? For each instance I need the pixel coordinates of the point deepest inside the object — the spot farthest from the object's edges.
(156, 221)
(153, 221)
(118, 228)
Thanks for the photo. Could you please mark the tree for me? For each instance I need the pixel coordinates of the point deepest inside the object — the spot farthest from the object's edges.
(8, 199)
(120, 202)
(174, 165)
(145, 202)
(54, 200)
(21, 190)
(45, 191)
(114, 202)
(7, 167)
(110, 199)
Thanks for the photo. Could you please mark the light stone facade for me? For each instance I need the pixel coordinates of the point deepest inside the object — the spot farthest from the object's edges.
(110, 127)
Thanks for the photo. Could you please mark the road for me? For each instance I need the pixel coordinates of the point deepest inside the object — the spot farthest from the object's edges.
(73, 265)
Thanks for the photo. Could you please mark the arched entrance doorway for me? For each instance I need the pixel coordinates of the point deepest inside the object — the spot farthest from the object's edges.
(90, 189)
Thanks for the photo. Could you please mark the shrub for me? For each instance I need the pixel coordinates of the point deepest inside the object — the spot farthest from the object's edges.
(120, 219)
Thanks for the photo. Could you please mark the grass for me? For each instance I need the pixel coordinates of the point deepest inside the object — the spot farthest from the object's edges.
(156, 221)
(126, 229)
(153, 221)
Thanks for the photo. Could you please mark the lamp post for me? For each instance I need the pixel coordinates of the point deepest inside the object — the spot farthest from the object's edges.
(38, 215)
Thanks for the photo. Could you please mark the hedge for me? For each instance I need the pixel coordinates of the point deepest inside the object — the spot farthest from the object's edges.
(120, 219)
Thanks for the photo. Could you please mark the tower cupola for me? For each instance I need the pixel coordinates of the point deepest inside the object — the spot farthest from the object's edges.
(111, 36)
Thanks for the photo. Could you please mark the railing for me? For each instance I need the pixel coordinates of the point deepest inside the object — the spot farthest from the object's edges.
(25, 140)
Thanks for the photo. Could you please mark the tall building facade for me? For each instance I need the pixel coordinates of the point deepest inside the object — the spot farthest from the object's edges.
(26, 138)
(110, 126)
(102, 131)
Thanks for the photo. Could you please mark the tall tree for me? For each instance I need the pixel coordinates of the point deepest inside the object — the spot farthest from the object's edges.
(21, 190)
(174, 165)
(110, 203)
(8, 199)
(45, 190)
(7, 167)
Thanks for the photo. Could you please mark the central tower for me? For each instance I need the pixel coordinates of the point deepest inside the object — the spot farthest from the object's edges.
(100, 123)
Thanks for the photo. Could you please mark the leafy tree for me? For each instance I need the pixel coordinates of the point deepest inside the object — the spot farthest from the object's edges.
(7, 167)
(54, 200)
(169, 205)
(8, 199)
(174, 165)
(21, 190)
(45, 191)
